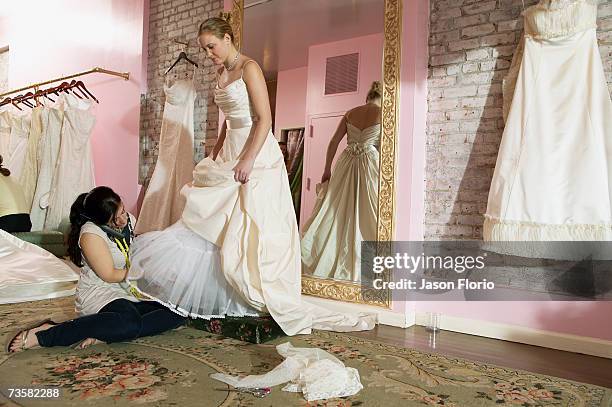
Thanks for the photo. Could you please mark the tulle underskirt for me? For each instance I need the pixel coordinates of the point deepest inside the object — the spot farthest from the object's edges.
(187, 278)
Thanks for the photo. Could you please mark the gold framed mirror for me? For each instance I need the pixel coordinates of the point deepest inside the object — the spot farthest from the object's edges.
(346, 290)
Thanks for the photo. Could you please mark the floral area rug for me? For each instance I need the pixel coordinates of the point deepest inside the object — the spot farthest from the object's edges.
(173, 370)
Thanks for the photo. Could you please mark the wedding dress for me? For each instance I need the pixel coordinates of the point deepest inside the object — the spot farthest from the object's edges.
(30, 273)
(345, 212)
(236, 249)
(74, 172)
(49, 149)
(14, 131)
(31, 164)
(552, 180)
(163, 204)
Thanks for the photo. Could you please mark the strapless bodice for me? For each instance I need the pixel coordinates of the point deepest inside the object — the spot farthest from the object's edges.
(233, 100)
(552, 19)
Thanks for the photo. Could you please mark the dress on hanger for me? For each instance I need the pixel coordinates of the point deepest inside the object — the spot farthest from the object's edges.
(49, 147)
(5, 134)
(74, 172)
(552, 179)
(31, 164)
(250, 228)
(163, 204)
(346, 210)
(14, 140)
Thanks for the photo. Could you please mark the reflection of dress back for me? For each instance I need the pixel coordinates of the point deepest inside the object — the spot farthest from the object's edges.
(360, 139)
(345, 212)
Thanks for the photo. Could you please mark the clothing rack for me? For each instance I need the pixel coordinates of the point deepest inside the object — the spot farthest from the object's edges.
(124, 75)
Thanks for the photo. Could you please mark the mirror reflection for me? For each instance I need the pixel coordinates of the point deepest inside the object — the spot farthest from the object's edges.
(323, 65)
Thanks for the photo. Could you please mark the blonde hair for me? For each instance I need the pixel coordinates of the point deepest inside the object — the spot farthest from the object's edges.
(375, 91)
(217, 27)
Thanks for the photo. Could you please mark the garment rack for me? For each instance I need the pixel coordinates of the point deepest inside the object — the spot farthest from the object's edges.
(124, 75)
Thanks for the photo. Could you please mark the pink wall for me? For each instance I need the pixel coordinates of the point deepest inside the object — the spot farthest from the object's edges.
(590, 319)
(369, 48)
(103, 33)
(410, 158)
(290, 99)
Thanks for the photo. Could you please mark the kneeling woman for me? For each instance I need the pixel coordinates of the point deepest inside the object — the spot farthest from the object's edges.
(99, 239)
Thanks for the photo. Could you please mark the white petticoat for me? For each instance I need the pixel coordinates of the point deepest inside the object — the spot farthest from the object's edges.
(187, 278)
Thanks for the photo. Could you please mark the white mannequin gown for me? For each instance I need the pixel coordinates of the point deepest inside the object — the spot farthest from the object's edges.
(553, 177)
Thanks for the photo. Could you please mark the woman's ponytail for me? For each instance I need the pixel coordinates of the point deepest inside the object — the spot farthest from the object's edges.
(77, 220)
(98, 206)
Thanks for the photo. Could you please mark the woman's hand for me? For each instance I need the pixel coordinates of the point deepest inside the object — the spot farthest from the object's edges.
(326, 176)
(243, 169)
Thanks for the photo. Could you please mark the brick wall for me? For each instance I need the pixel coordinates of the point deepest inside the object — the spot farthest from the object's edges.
(471, 44)
(172, 20)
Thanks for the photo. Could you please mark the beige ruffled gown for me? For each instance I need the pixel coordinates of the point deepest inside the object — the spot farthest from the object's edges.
(236, 250)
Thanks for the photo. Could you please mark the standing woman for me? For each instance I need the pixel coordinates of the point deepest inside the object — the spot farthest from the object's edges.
(236, 250)
(100, 234)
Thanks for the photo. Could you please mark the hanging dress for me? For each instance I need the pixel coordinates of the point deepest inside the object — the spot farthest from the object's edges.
(15, 147)
(49, 147)
(250, 228)
(553, 176)
(74, 170)
(31, 164)
(163, 204)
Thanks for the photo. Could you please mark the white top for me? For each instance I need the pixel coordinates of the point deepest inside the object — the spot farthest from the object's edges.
(93, 293)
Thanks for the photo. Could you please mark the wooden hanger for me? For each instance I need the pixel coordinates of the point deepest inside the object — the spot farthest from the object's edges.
(81, 86)
(181, 56)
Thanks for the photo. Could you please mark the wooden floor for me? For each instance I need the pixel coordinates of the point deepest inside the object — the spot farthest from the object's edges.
(567, 365)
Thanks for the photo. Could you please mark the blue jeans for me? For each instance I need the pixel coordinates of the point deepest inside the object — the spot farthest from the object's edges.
(119, 320)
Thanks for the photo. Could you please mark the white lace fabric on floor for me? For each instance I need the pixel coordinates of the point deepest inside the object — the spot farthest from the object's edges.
(312, 371)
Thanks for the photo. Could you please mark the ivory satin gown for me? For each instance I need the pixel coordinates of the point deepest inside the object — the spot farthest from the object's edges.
(345, 212)
(236, 250)
(552, 180)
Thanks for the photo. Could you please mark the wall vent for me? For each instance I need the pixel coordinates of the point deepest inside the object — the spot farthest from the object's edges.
(341, 74)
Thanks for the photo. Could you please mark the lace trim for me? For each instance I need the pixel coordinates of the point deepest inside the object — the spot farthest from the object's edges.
(495, 229)
(558, 18)
(184, 313)
(560, 4)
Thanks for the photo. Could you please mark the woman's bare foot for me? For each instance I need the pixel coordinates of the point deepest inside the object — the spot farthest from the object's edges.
(87, 343)
(27, 339)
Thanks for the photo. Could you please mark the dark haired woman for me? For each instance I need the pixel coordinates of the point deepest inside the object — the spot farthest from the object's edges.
(99, 239)
(236, 250)
(14, 212)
